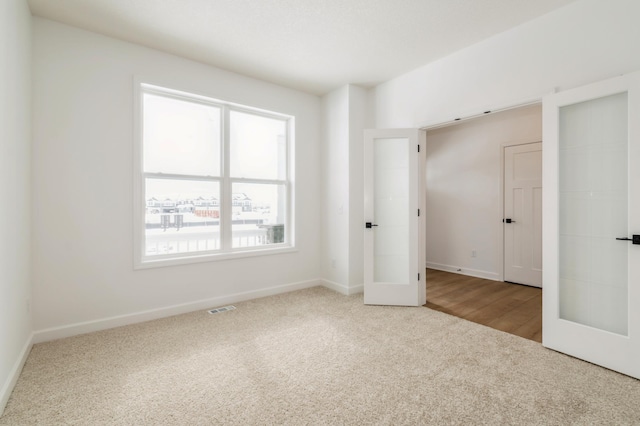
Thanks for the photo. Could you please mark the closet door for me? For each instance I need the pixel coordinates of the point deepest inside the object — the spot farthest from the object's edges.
(591, 212)
(522, 214)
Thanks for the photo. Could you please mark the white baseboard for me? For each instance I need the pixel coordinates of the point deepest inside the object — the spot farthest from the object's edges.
(342, 289)
(465, 271)
(118, 321)
(8, 386)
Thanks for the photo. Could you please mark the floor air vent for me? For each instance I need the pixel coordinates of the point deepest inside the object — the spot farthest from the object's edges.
(223, 309)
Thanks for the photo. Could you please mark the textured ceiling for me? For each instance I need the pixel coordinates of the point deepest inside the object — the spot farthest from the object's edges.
(310, 45)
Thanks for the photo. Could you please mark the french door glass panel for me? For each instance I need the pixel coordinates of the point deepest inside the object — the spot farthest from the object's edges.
(181, 216)
(593, 204)
(391, 211)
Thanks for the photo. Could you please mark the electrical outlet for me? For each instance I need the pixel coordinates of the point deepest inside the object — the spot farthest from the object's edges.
(474, 253)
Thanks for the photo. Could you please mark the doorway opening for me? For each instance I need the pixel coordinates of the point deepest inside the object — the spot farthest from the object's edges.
(465, 227)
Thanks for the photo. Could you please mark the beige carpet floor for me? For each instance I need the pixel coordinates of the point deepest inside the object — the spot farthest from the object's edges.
(313, 357)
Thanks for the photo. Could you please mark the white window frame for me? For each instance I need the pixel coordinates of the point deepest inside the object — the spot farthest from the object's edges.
(226, 251)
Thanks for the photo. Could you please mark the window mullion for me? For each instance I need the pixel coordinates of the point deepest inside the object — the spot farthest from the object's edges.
(259, 181)
(289, 231)
(226, 208)
(153, 175)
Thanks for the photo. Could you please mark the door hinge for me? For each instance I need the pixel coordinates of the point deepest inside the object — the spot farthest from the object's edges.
(418, 148)
(418, 212)
(418, 277)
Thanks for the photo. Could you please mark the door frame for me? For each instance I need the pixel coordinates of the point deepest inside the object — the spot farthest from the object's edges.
(502, 179)
(514, 142)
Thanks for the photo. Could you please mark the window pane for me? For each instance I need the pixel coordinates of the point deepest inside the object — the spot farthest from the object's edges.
(258, 214)
(181, 216)
(258, 146)
(180, 137)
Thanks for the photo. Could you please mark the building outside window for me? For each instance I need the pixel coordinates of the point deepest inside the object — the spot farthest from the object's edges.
(214, 179)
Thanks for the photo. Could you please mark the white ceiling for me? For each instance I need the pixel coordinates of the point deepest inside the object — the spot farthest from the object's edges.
(310, 45)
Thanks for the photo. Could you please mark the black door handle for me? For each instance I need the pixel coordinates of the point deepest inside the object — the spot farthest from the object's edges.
(508, 221)
(369, 225)
(635, 239)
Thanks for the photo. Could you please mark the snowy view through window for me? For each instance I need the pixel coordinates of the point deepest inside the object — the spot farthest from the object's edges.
(193, 202)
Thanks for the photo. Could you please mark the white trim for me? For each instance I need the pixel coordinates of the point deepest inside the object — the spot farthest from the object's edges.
(465, 271)
(152, 314)
(8, 386)
(422, 216)
(290, 236)
(501, 218)
(226, 196)
(191, 96)
(138, 177)
(489, 110)
(187, 258)
(342, 289)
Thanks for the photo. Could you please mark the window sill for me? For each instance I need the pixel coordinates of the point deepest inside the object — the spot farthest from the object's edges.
(209, 257)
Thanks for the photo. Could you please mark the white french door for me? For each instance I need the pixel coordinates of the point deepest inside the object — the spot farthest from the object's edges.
(522, 214)
(394, 258)
(591, 298)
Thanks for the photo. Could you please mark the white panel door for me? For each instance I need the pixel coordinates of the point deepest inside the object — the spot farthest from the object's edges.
(394, 258)
(591, 209)
(523, 214)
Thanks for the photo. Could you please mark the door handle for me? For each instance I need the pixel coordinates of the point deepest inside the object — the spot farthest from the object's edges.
(508, 221)
(369, 225)
(635, 239)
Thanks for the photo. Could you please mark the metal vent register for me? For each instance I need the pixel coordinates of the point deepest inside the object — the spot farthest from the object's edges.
(223, 309)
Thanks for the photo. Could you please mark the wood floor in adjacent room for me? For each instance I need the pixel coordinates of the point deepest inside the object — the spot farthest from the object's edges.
(513, 308)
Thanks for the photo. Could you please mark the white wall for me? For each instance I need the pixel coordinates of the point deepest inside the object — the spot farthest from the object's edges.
(344, 117)
(464, 202)
(359, 119)
(83, 220)
(335, 187)
(15, 191)
(586, 41)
